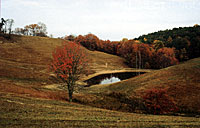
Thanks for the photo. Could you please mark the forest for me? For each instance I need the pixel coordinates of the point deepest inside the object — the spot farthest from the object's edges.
(185, 40)
(155, 50)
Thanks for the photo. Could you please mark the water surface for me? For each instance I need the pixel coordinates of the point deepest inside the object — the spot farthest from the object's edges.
(110, 78)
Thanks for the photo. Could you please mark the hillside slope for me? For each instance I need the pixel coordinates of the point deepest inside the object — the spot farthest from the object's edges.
(26, 58)
(182, 81)
(20, 111)
(24, 70)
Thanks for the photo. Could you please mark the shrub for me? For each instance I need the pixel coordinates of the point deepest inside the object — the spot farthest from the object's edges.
(157, 101)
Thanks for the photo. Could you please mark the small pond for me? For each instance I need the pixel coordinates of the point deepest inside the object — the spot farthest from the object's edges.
(110, 78)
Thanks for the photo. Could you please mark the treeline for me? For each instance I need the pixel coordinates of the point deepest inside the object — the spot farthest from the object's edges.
(6, 26)
(156, 50)
(136, 54)
(38, 29)
(185, 40)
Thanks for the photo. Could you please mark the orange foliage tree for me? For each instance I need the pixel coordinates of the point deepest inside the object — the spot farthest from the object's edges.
(135, 53)
(164, 57)
(157, 101)
(142, 55)
(89, 41)
(69, 62)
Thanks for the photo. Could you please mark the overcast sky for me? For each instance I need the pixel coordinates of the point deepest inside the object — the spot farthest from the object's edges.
(108, 19)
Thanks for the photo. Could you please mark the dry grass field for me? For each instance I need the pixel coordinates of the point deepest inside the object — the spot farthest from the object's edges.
(182, 81)
(23, 111)
(28, 98)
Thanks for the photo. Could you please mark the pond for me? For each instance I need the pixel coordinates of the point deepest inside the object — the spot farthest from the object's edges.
(110, 78)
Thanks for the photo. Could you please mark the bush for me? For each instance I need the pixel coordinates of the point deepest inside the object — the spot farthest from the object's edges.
(157, 101)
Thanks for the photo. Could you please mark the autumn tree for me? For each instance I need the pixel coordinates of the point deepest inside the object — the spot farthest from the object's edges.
(70, 38)
(69, 62)
(38, 29)
(163, 58)
(31, 29)
(89, 41)
(142, 55)
(157, 44)
(157, 101)
(137, 54)
(124, 40)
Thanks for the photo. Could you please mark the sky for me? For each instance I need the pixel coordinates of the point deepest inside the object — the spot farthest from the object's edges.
(107, 19)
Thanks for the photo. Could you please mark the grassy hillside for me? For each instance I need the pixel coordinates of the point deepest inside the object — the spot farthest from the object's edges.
(22, 111)
(182, 81)
(26, 58)
(25, 100)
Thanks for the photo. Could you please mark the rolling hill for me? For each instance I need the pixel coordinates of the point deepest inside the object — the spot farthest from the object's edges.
(25, 100)
(182, 81)
(26, 58)
(22, 111)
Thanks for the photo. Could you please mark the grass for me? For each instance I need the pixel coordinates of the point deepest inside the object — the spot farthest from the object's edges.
(20, 111)
(28, 98)
(182, 81)
(26, 57)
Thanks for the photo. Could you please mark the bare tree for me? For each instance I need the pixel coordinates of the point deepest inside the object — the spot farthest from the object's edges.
(10, 23)
(2, 24)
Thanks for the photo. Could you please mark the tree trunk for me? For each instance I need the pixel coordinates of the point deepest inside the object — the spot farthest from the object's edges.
(139, 61)
(70, 96)
(70, 91)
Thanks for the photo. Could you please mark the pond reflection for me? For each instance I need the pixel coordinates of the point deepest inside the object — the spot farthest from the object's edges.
(110, 80)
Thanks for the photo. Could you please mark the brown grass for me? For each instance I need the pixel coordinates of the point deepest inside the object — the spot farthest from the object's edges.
(23, 72)
(26, 57)
(21, 111)
(182, 81)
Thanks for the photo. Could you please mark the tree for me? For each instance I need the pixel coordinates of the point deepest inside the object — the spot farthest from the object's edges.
(164, 57)
(158, 44)
(196, 25)
(124, 40)
(91, 41)
(3, 22)
(69, 62)
(70, 38)
(42, 30)
(169, 40)
(39, 29)
(51, 35)
(141, 55)
(18, 31)
(157, 101)
(10, 23)
(31, 29)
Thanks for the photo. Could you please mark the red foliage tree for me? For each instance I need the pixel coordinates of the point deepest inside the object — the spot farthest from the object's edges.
(164, 57)
(136, 54)
(157, 101)
(89, 41)
(142, 55)
(69, 61)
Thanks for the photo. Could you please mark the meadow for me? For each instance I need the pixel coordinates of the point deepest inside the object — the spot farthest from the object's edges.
(29, 97)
